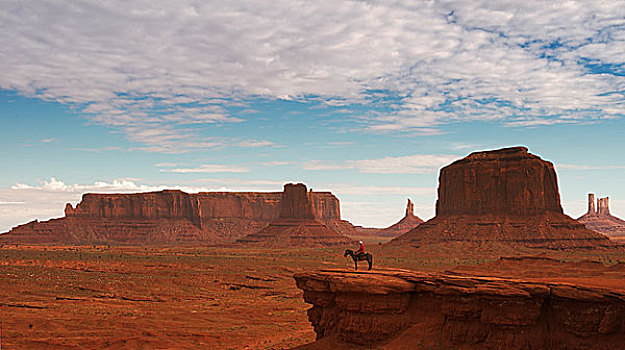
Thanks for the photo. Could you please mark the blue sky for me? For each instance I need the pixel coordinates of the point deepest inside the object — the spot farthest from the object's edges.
(367, 100)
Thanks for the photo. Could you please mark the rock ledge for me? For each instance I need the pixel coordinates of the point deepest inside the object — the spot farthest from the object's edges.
(392, 309)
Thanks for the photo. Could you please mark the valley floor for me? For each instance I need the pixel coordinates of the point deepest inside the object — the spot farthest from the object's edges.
(183, 297)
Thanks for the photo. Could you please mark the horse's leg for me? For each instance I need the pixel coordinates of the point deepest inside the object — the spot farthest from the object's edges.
(370, 261)
(355, 264)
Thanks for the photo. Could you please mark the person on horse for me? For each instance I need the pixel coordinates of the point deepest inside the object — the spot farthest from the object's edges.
(360, 250)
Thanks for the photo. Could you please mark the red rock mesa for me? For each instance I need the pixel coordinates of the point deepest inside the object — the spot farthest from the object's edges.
(298, 225)
(601, 220)
(505, 195)
(169, 217)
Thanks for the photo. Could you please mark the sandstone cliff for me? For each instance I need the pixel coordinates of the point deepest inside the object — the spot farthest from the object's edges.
(298, 224)
(169, 217)
(506, 195)
(505, 181)
(399, 309)
(601, 220)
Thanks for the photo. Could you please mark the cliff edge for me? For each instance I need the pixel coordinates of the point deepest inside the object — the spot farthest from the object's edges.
(401, 309)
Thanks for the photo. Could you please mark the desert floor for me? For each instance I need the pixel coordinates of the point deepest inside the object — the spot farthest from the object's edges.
(208, 297)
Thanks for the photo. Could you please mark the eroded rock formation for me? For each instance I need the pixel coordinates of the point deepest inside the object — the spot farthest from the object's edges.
(601, 220)
(399, 309)
(169, 217)
(506, 195)
(407, 223)
(298, 224)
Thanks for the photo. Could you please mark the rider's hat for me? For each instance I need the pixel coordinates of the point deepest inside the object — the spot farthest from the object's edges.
(360, 242)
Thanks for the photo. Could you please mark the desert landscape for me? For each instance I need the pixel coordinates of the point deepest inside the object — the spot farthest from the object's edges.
(327, 174)
(499, 266)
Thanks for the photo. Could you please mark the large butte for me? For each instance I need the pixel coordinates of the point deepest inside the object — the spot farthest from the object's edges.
(506, 196)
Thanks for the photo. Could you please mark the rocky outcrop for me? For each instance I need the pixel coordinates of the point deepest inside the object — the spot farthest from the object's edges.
(407, 223)
(399, 309)
(297, 225)
(601, 220)
(296, 203)
(506, 195)
(603, 207)
(505, 181)
(169, 217)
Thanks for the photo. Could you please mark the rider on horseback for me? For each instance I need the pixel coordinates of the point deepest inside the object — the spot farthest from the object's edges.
(360, 250)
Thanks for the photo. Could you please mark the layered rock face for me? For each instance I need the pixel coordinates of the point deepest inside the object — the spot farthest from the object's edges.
(167, 217)
(399, 309)
(600, 220)
(298, 225)
(505, 181)
(506, 195)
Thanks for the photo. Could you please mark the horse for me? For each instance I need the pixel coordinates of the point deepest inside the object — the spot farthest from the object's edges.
(359, 257)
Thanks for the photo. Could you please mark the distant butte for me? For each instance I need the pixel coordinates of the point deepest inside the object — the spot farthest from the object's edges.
(407, 223)
(297, 225)
(600, 219)
(171, 217)
(506, 195)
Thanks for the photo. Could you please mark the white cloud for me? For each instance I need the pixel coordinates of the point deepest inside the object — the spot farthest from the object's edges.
(340, 144)
(256, 143)
(325, 165)
(122, 185)
(54, 185)
(441, 62)
(100, 149)
(210, 168)
(276, 163)
(462, 146)
(413, 164)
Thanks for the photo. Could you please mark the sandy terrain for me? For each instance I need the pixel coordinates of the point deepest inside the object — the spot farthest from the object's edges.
(78, 297)
(201, 297)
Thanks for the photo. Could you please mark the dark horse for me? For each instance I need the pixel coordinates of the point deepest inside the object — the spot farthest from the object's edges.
(359, 257)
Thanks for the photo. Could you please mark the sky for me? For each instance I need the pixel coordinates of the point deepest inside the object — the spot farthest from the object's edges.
(365, 99)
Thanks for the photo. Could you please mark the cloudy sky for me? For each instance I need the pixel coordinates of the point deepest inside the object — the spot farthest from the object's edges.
(365, 99)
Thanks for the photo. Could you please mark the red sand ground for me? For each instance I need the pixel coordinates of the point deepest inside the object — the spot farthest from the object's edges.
(201, 297)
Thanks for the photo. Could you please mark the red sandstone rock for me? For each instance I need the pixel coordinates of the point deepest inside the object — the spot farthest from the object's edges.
(295, 203)
(407, 223)
(506, 195)
(400, 309)
(297, 225)
(601, 220)
(168, 217)
(505, 181)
